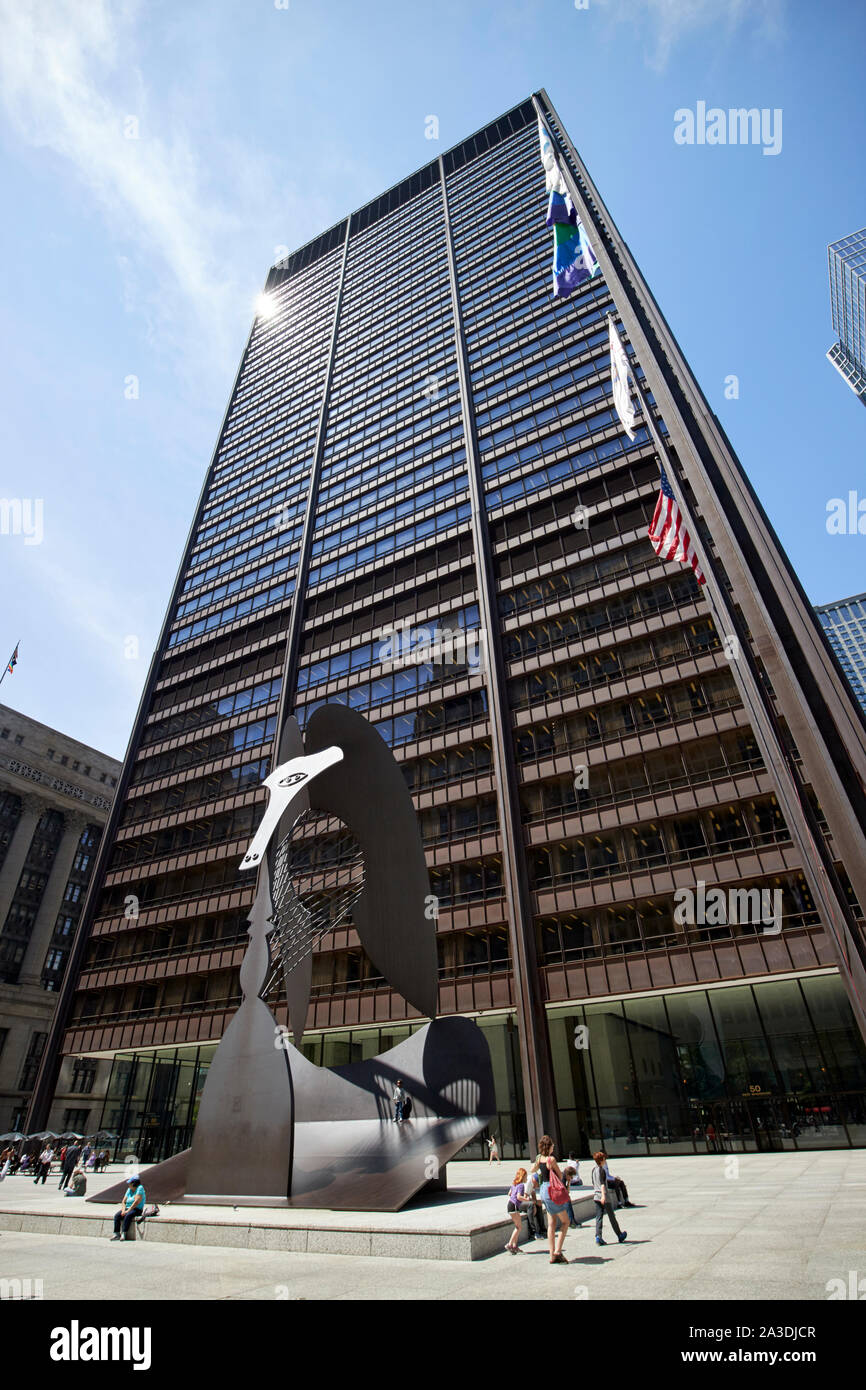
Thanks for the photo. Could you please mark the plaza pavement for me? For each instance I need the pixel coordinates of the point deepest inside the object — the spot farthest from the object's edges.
(778, 1226)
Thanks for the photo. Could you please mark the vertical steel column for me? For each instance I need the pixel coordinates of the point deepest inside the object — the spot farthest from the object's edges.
(535, 1056)
(640, 320)
(296, 616)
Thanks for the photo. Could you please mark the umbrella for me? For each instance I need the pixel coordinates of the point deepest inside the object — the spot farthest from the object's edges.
(12, 1137)
(70, 1134)
(45, 1134)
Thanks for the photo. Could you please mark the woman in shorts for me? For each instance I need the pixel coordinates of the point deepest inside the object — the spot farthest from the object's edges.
(557, 1212)
(516, 1199)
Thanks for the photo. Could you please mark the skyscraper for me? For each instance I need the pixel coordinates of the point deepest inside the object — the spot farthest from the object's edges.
(423, 503)
(845, 625)
(847, 264)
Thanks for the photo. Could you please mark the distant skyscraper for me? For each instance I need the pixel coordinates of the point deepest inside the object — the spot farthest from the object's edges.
(845, 625)
(847, 264)
(422, 439)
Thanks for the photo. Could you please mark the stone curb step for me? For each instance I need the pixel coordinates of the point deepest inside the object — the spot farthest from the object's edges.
(473, 1244)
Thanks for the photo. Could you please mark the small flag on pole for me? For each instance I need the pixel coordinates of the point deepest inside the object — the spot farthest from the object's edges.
(574, 260)
(619, 370)
(13, 660)
(668, 537)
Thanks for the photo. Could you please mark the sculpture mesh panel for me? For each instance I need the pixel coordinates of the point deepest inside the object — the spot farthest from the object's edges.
(316, 883)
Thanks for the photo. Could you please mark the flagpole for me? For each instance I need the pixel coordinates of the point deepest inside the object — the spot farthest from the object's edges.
(808, 838)
(6, 667)
(728, 623)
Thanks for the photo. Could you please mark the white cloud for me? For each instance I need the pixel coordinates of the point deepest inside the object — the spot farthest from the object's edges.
(671, 21)
(69, 84)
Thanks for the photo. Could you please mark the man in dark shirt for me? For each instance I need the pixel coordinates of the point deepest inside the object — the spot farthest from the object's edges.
(69, 1164)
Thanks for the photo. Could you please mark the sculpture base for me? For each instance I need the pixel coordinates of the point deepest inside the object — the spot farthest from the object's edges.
(348, 1153)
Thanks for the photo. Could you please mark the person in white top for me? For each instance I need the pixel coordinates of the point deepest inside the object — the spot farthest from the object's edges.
(43, 1166)
(570, 1167)
(399, 1098)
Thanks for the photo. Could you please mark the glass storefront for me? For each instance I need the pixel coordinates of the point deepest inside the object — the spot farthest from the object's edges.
(152, 1100)
(770, 1066)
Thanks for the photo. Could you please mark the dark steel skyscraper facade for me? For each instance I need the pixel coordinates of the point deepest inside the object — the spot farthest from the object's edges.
(421, 447)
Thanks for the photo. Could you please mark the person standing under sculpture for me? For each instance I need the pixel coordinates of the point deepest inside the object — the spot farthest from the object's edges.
(399, 1099)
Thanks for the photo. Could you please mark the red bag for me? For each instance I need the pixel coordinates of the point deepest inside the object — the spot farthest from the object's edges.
(557, 1189)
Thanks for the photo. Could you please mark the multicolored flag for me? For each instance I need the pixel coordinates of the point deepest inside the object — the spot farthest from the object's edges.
(668, 537)
(13, 660)
(619, 370)
(574, 260)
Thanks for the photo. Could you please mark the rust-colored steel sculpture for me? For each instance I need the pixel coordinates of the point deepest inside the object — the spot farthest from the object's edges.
(272, 1128)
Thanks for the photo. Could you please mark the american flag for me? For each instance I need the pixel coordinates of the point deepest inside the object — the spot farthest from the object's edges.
(668, 537)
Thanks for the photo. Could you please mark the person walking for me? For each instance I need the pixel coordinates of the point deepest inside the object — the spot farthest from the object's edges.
(131, 1206)
(68, 1166)
(603, 1202)
(494, 1151)
(554, 1195)
(399, 1099)
(43, 1167)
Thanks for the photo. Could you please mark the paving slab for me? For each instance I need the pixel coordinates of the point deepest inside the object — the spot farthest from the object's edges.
(778, 1230)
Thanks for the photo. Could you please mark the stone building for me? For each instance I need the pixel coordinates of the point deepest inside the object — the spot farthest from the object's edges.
(55, 795)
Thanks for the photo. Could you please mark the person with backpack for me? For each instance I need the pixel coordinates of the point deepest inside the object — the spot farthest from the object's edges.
(554, 1195)
(602, 1198)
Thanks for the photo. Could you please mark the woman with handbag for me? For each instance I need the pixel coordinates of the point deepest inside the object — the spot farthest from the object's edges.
(602, 1198)
(554, 1195)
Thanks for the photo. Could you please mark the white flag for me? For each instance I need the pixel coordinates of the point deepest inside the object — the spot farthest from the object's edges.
(619, 370)
(553, 175)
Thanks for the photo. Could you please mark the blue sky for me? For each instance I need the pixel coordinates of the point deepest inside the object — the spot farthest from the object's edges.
(257, 126)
